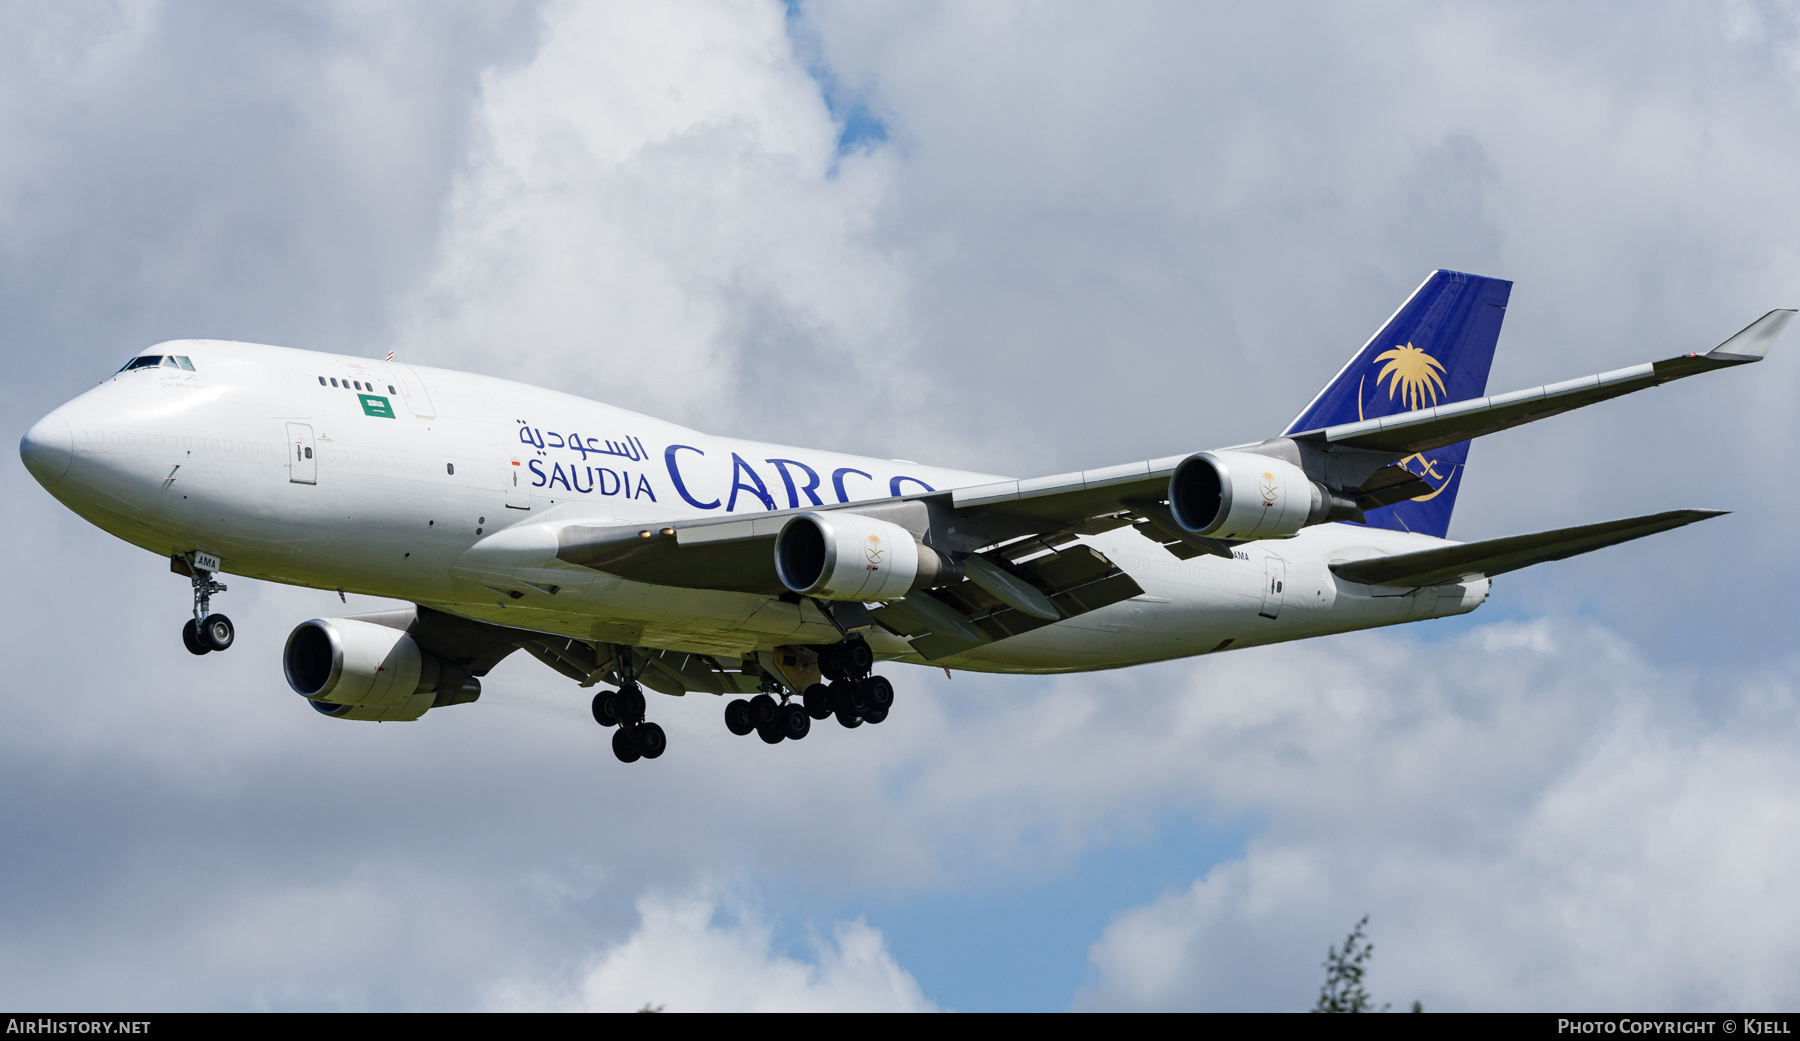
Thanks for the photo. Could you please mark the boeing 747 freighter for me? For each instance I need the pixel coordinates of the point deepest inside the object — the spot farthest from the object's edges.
(629, 553)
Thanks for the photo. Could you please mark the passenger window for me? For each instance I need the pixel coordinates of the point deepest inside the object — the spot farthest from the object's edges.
(390, 388)
(308, 453)
(240, 446)
(184, 362)
(321, 381)
(450, 468)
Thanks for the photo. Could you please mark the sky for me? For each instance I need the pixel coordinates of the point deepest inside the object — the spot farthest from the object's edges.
(1021, 238)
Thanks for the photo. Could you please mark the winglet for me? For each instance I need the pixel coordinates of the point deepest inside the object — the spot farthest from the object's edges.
(1753, 343)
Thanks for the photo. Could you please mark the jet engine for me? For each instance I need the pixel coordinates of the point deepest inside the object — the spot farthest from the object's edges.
(847, 556)
(1236, 495)
(352, 669)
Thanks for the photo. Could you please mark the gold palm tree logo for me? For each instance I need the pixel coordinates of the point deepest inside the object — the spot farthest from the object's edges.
(1415, 376)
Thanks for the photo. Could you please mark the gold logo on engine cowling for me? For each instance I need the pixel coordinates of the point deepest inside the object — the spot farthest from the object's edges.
(874, 552)
(1268, 488)
(1413, 375)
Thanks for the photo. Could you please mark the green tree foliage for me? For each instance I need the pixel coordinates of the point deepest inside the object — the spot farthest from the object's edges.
(1344, 970)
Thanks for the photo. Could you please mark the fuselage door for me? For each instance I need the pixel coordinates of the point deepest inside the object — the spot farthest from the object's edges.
(1274, 586)
(412, 388)
(518, 485)
(302, 467)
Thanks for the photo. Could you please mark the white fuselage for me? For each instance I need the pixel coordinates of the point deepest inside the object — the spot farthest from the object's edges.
(463, 485)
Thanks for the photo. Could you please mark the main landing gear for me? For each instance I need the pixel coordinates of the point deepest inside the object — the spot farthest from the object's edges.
(206, 632)
(853, 695)
(624, 708)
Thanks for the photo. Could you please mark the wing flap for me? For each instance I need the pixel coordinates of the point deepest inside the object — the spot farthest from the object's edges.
(1498, 556)
(1076, 579)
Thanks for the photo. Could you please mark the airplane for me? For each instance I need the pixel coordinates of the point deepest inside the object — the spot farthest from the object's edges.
(629, 553)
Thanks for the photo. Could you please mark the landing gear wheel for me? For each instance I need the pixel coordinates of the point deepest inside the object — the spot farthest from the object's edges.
(849, 720)
(879, 693)
(217, 632)
(817, 700)
(737, 717)
(762, 711)
(858, 658)
(624, 747)
(190, 638)
(831, 662)
(650, 740)
(847, 697)
(605, 709)
(629, 705)
(794, 721)
(875, 715)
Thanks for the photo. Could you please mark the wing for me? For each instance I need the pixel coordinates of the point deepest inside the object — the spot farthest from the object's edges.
(1425, 429)
(1498, 556)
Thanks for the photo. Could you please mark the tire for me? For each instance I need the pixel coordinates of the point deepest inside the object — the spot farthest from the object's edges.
(624, 747)
(848, 696)
(831, 662)
(762, 711)
(737, 717)
(630, 703)
(190, 638)
(879, 693)
(217, 632)
(875, 715)
(818, 701)
(795, 722)
(605, 710)
(858, 659)
(771, 733)
(848, 720)
(651, 741)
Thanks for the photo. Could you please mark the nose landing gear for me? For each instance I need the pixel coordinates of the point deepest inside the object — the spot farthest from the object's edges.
(205, 632)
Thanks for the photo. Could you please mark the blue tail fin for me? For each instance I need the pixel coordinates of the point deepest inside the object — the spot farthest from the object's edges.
(1436, 349)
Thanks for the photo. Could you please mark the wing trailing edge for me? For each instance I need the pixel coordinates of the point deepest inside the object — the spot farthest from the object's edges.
(1498, 556)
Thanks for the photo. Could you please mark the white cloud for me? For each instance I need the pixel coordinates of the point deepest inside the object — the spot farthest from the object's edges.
(683, 958)
(656, 216)
(1534, 820)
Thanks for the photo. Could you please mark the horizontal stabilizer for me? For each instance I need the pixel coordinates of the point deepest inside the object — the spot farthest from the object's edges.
(1498, 556)
(1425, 429)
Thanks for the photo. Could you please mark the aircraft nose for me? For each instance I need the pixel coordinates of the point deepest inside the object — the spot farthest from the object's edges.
(47, 449)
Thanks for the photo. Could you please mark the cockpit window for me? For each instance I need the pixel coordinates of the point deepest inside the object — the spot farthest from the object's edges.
(152, 361)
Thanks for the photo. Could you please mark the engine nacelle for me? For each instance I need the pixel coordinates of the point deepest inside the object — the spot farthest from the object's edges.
(354, 669)
(1236, 495)
(847, 556)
